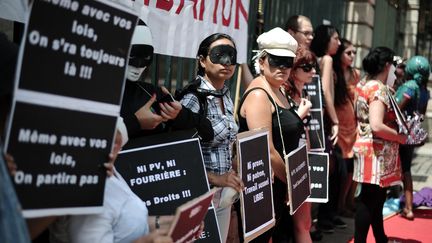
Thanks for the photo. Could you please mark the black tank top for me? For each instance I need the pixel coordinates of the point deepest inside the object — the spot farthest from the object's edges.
(291, 124)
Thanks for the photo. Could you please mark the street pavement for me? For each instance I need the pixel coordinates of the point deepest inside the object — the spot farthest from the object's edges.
(421, 171)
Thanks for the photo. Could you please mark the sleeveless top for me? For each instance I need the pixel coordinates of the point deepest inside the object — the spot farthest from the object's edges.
(292, 125)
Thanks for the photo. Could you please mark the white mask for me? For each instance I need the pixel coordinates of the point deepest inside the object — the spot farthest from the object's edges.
(134, 73)
(391, 77)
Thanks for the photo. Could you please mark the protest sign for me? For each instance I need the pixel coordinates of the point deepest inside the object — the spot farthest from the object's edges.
(316, 124)
(318, 168)
(167, 175)
(68, 88)
(298, 177)
(255, 170)
(189, 216)
(187, 23)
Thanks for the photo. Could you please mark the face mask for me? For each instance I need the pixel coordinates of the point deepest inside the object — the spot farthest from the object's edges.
(391, 77)
(223, 54)
(141, 56)
(280, 62)
(134, 73)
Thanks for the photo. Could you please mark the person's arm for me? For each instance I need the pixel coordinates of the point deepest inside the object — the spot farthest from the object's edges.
(376, 118)
(191, 115)
(304, 108)
(328, 89)
(230, 179)
(258, 113)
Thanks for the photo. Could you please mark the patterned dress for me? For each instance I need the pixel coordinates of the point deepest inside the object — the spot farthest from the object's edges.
(376, 161)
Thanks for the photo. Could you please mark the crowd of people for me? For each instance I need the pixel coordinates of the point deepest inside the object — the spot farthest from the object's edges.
(362, 138)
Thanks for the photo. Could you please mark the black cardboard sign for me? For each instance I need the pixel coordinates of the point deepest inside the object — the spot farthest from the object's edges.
(255, 171)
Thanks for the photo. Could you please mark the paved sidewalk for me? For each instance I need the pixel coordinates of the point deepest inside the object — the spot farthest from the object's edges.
(421, 171)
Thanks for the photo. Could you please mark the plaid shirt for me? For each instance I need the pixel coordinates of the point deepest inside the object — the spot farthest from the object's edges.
(218, 152)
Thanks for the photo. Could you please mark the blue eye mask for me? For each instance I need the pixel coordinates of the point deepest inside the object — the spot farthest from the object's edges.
(223, 54)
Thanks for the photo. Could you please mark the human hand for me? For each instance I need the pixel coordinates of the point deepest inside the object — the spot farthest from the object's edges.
(169, 110)
(230, 179)
(199, 232)
(147, 119)
(161, 223)
(335, 132)
(10, 163)
(304, 108)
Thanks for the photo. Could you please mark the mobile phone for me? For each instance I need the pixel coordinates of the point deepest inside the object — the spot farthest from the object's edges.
(166, 98)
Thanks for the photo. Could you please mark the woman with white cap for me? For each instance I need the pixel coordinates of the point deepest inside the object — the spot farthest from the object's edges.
(265, 103)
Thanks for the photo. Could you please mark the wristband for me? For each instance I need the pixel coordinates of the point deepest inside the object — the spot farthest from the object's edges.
(157, 225)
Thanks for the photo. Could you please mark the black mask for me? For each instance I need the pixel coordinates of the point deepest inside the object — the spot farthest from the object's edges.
(223, 54)
(280, 62)
(141, 56)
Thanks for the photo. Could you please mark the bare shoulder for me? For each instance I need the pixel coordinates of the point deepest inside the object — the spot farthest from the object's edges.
(327, 59)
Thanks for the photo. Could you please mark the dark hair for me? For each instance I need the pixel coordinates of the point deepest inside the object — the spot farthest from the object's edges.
(303, 56)
(204, 48)
(292, 23)
(323, 34)
(376, 60)
(341, 92)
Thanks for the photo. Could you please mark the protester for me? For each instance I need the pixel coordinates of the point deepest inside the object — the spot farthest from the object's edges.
(143, 109)
(263, 102)
(12, 224)
(408, 97)
(301, 74)
(300, 27)
(346, 79)
(216, 63)
(325, 44)
(376, 160)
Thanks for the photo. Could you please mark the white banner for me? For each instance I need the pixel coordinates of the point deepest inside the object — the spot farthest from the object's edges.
(14, 10)
(179, 26)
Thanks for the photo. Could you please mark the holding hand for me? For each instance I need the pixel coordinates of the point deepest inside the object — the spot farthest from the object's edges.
(335, 133)
(169, 110)
(230, 179)
(304, 108)
(147, 119)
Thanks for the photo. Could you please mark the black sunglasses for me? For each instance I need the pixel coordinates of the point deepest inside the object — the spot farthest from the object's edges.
(307, 67)
(280, 62)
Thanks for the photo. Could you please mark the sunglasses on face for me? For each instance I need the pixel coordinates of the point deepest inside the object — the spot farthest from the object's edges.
(223, 54)
(141, 56)
(307, 67)
(280, 62)
(349, 53)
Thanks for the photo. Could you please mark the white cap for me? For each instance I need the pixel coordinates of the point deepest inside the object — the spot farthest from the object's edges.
(142, 36)
(277, 42)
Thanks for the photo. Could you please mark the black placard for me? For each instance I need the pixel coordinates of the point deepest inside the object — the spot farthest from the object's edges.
(77, 49)
(63, 118)
(316, 124)
(298, 177)
(167, 175)
(56, 151)
(255, 171)
(313, 90)
(318, 168)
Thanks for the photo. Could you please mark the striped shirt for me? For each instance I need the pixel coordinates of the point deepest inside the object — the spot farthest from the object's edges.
(218, 152)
